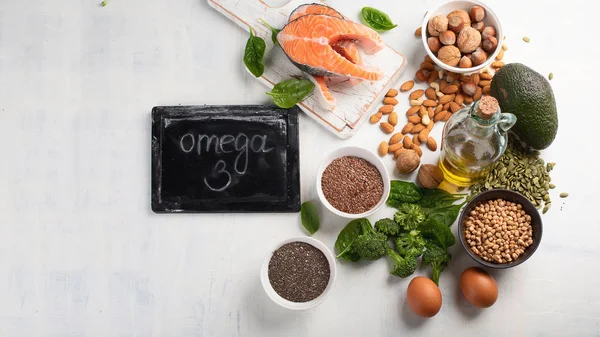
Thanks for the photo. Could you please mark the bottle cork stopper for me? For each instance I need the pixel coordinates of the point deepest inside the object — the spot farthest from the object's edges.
(487, 107)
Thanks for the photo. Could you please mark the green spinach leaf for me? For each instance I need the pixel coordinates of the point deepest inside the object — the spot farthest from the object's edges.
(433, 198)
(288, 93)
(310, 217)
(445, 215)
(437, 233)
(403, 192)
(274, 32)
(348, 235)
(254, 53)
(377, 19)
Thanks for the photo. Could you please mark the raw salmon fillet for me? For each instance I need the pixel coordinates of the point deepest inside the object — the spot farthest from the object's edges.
(324, 94)
(308, 41)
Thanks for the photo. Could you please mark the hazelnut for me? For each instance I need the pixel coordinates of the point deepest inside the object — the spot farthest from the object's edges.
(489, 44)
(477, 13)
(478, 56)
(434, 44)
(465, 62)
(461, 14)
(455, 23)
(437, 24)
(469, 88)
(408, 161)
(450, 55)
(479, 26)
(468, 39)
(487, 32)
(448, 37)
(430, 176)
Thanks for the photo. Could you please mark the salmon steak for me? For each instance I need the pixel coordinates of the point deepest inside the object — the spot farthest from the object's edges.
(309, 43)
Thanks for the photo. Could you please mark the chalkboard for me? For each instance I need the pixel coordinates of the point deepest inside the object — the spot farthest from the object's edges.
(225, 159)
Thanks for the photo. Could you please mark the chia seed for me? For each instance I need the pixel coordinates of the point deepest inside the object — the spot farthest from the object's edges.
(299, 272)
(352, 185)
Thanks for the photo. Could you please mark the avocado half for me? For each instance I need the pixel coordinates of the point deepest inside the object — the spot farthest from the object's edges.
(527, 94)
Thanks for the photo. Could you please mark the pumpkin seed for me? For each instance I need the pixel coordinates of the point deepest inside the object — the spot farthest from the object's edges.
(552, 186)
(563, 195)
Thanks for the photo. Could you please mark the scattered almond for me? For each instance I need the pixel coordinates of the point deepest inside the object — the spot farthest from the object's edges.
(433, 76)
(450, 89)
(416, 140)
(430, 125)
(412, 110)
(386, 127)
(418, 128)
(422, 111)
(406, 86)
(497, 64)
(484, 83)
(428, 59)
(430, 103)
(454, 107)
(446, 99)
(418, 32)
(486, 90)
(395, 147)
(447, 116)
(459, 99)
(500, 55)
(414, 119)
(416, 94)
(386, 109)
(417, 149)
(439, 107)
(393, 118)
(390, 100)
(392, 93)
(407, 142)
(383, 149)
(478, 94)
(397, 153)
(443, 84)
(397, 137)
(465, 78)
(475, 78)
(446, 107)
(430, 93)
(408, 128)
(439, 116)
(468, 99)
(430, 113)
(427, 66)
(376, 118)
(431, 144)
(485, 76)
(423, 135)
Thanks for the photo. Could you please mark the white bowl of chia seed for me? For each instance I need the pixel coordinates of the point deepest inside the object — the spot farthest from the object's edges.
(299, 273)
(353, 182)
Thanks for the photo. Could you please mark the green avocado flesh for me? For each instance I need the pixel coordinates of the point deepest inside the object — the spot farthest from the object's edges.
(525, 93)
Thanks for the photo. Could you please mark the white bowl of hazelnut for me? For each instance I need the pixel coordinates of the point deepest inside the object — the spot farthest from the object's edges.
(462, 36)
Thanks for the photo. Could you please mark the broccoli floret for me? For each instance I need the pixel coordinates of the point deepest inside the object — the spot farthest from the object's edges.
(370, 245)
(438, 258)
(409, 216)
(410, 244)
(403, 266)
(387, 226)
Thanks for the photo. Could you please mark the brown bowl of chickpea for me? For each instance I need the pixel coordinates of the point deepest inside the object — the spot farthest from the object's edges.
(500, 228)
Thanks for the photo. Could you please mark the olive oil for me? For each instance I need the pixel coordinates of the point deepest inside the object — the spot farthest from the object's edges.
(473, 139)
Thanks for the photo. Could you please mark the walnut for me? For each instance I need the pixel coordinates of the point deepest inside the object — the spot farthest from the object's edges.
(408, 161)
(437, 24)
(430, 176)
(450, 55)
(463, 15)
(468, 39)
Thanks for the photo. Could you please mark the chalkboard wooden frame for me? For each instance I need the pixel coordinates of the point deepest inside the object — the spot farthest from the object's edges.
(185, 204)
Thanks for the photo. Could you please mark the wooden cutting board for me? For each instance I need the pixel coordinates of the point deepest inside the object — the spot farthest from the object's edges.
(355, 103)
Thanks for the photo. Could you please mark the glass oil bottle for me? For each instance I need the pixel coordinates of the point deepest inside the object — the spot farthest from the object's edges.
(474, 138)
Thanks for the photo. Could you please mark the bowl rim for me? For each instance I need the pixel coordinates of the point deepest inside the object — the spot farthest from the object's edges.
(535, 217)
(491, 58)
(275, 297)
(365, 154)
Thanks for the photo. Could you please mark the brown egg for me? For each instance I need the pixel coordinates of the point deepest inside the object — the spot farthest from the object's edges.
(478, 287)
(424, 296)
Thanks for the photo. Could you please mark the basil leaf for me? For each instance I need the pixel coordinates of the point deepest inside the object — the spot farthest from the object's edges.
(348, 235)
(377, 19)
(437, 233)
(403, 192)
(274, 32)
(288, 93)
(310, 217)
(433, 198)
(445, 215)
(254, 53)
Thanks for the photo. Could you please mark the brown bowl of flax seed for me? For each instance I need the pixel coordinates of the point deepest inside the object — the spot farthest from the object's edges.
(500, 228)
(353, 182)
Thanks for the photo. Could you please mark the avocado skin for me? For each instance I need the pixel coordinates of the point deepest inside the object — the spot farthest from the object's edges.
(525, 93)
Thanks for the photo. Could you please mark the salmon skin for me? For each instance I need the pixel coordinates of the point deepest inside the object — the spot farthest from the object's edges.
(314, 8)
(308, 42)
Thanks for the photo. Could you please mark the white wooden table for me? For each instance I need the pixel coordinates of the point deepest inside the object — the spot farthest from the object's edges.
(81, 254)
